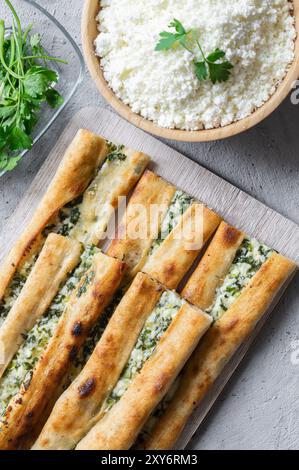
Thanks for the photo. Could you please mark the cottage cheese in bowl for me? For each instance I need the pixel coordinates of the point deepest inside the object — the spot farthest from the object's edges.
(257, 36)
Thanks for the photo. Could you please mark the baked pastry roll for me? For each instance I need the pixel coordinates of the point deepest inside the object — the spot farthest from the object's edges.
(57, 259)
(157, 216)
(150, 322)
(33, 380)
(86, 153)
(174, 255)
(78, 203)
(241, 276)
(141, 223)
(174, 229)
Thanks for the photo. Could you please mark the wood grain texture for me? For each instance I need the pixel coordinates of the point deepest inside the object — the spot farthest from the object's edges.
(89, 32)
(235, 206)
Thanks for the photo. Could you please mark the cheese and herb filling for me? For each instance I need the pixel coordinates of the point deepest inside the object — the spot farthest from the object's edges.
(97, 205)
(154, 328)
(16, 285)
(66, 219)
(20, 370)
(75, 218)
(89, 212)
(178, 206)
(94, 336)
(248, 260)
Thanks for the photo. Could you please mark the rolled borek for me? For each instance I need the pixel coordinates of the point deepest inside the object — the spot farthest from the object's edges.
(163, 231)
(86, 153)
(174, 256)
(33, 380)
(141, 223)
(159, 219)
(81, 405)
(79, 203)
(243, 292)
(57, 259)
(142, 318)
(134, 397)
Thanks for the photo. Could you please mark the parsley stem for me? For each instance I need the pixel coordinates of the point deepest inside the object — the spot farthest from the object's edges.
(200, 48)
(18, 37)
(17, 19)
(8, 69)
(26, 32)
(19, 47)
(45, 57)
(12, 51)
(187, 48)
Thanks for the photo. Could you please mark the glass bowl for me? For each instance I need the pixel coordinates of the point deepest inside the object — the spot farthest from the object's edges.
(57, 42)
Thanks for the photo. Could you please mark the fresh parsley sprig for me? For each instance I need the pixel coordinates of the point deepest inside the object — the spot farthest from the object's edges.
(25, 83)
(212, 66)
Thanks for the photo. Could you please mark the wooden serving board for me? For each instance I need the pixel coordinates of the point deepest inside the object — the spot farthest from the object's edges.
(235, 206)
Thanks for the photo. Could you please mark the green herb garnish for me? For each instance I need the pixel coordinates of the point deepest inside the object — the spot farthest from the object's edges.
(212, 66)
(25, 83)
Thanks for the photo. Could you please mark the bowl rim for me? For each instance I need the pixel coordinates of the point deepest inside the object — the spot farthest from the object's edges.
(88, 33)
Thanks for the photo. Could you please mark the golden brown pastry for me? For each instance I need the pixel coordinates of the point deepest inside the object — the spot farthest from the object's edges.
(172, 240)
(79, 203)
(86, 152)
(201, 287)
(119, 427)
(220, 343)
(80, 406)
(141, 224)
(57, 259)
(28, 410)
(175, 256)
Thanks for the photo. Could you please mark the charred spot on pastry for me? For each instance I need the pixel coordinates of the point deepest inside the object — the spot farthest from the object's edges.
(29, 245)
(160, 383)
(159, 288)
(170, 269)
(77, 329)
(73, 353)
(230, 235)
(96, 294)
(87, 388)
(29, 415)
(77, 188)
(232, 325)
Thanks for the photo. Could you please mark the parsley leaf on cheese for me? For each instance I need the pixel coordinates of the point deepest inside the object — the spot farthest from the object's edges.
(169, 40)
(212, 66)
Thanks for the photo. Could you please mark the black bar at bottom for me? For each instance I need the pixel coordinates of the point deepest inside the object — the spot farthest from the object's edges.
(133, 459)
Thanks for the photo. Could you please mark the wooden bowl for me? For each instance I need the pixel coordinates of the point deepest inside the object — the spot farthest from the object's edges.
(89, 33)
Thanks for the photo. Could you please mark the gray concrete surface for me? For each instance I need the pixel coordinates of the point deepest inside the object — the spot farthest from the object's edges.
(260, 406)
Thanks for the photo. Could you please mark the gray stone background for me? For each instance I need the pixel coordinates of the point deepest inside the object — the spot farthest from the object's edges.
(260, 406)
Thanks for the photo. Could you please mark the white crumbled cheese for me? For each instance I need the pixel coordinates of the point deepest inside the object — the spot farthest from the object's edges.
(179, 204)
(257, 36)
(248, 260)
